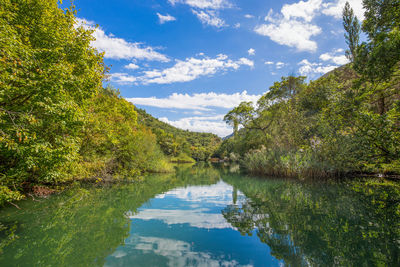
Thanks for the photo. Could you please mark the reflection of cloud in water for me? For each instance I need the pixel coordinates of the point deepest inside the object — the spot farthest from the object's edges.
(219, 194)
(195, 218)
(178, 253)
(199, 200)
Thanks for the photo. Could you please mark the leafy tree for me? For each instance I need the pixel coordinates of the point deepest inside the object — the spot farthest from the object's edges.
(48, 72)
(113, 143)
(240, 115)
(352, 27)
(378, 59)
(324, 128)
(57, 122)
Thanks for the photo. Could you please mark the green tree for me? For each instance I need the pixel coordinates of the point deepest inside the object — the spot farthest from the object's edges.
(378, 59)
(48, 72)
(352, 27)
(240, 115)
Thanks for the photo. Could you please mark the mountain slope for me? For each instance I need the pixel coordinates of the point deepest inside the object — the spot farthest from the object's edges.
(174, 141)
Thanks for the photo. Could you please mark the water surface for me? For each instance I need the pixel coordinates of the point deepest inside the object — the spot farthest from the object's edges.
(206, 216)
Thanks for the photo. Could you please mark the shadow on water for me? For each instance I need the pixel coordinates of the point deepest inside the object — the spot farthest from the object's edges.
(322, 224)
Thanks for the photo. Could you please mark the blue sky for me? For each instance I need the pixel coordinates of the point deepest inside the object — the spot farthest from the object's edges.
(188, 62)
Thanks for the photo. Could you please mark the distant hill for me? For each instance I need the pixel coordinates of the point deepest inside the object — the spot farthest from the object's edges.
(174, 141)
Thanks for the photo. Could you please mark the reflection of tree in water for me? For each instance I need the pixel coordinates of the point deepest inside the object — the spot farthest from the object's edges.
(347, 224)
(83, 226)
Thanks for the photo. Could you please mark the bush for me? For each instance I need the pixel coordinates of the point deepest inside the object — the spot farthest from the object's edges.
(296, 164)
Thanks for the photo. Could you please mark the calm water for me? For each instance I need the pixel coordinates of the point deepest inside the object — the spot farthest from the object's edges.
(205, 216)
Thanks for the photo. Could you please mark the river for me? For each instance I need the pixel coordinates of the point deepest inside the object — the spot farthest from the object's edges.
(207, 216)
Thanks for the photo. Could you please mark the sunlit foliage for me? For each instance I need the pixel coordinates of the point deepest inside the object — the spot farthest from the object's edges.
(348, 121)
(57, 122)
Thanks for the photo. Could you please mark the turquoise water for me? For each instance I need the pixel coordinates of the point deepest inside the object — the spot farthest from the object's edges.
(206, 216)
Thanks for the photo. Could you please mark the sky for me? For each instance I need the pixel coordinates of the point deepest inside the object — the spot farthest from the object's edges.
(188, 62)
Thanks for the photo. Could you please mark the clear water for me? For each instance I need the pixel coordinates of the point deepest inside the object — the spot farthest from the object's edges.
(206, 216)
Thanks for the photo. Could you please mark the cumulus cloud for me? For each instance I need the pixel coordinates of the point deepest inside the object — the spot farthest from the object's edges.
(305, 10)
(335, 8)
(291, 33)
(193, 68)
(312, 69)
(292, 26)
(165, 18)
(251, 52)
(213, 124)
(248, 16)
(198, 101)
(123, 78)
(118, 48)
(132, 66)
(269, 63)
(335, 57)
(209, 17)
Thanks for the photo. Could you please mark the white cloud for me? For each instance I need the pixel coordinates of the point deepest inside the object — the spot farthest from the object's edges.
(206, 10)
(312, 69)
(292, 27)
(335, 57)
(132, 66)
(248, 16)
(198, 101)
(193, 68)
(118, 48)
(237, 25)
(165, 18)
(269, 63)
(335, 8)
(251, 52)
(279, 65)
(123, 78)
(204, 4)
(202, 124)
(209, 17)
(305, 10)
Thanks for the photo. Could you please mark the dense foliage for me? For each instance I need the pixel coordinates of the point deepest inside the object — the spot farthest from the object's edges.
(113, 143)
(48, 72)
(57, 122)
(180, 144)
(346, 121)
